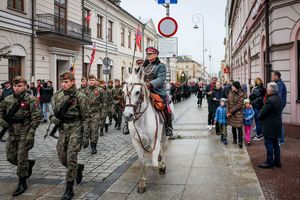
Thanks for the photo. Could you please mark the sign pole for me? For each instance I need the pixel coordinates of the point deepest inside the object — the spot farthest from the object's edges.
(168, 74)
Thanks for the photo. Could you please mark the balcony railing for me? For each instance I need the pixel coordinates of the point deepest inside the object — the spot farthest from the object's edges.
(49, 23)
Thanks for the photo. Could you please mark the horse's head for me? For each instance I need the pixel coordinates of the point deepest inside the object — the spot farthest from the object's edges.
(135, 94)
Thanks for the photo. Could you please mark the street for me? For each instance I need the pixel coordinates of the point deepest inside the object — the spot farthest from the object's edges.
(199, 166)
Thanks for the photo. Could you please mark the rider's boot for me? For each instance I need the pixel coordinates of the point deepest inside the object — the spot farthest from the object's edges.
(168, 123)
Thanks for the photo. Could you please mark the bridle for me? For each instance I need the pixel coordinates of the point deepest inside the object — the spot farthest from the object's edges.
(138, 113)
(138, 104)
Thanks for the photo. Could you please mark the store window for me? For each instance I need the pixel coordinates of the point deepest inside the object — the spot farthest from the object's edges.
(14, 67)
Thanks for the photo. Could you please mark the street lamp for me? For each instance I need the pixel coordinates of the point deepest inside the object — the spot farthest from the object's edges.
(196, 19)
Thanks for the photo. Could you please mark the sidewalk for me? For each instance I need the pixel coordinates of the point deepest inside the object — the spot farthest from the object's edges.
(199, 166)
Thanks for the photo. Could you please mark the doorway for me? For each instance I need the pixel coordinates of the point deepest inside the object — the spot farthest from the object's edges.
(61, 66)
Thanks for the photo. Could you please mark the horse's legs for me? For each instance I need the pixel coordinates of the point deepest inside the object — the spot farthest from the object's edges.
(162, 156)
(142, 182)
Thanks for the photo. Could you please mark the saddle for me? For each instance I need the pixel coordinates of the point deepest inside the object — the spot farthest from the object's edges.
(157, 102)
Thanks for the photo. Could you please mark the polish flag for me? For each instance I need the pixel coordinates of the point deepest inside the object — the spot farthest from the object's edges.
(88, 17)
(93, 54)
(138, 37)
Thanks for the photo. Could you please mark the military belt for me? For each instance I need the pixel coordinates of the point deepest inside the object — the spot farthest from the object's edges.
(18, 120)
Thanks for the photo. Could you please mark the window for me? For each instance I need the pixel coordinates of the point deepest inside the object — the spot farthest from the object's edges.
(129, 39)
(60, 16)
(14, 67)
(99, 26)
(16, 5)
(123, 37)
(298, 59)
(99, 69)
(110, 31)
(86, 14)
(85, 69)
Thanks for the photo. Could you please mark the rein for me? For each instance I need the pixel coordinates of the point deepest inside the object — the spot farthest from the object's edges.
(138, 113)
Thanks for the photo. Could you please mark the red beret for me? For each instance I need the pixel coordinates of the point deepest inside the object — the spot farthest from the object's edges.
(152, 50)
(139, 61)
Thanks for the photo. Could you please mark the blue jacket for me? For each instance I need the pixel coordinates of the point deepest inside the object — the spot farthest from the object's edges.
(220, 116)
(281, 92)
(248, 116)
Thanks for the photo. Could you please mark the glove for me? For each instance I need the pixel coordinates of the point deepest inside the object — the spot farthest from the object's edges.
(149, 86)
(30, 139)
(3, 123)
(54, 120)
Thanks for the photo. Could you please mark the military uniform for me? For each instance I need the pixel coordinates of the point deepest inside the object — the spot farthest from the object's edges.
(111, 102)
(73, 129)
(105, 109)
(82, 87)
(21, 131)
(119, 105)
(96, 99)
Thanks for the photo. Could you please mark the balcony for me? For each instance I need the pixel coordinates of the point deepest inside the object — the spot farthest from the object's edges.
(52, 27)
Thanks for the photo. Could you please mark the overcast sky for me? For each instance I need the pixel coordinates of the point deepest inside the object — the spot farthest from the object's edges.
(190, 40)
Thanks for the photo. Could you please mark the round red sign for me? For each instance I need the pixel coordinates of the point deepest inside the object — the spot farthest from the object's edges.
(167, 26)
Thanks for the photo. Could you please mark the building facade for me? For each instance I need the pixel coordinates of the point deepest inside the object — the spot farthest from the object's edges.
(189, 69)
(264, 36)
(40, 39)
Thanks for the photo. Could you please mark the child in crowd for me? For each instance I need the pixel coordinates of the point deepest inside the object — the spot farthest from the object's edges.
(248, 120)
(221, 118)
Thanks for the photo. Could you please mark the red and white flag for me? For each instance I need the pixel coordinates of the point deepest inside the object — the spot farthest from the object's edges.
(138, 37)
(88, 17)
(93, 54)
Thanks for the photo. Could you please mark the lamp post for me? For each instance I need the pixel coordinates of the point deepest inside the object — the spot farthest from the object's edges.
(196, 19)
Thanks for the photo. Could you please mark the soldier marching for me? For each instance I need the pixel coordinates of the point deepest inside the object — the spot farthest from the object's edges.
(80, 116)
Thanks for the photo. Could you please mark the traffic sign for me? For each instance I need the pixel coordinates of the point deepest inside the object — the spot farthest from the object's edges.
(106, 61)
(167, 26)
(168, 47)
(167, 1)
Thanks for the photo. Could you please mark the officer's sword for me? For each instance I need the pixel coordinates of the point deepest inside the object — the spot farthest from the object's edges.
(52, 134)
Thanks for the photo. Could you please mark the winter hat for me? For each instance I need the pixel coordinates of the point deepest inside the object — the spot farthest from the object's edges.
(237, 85)
(223, 99)
(246, 101)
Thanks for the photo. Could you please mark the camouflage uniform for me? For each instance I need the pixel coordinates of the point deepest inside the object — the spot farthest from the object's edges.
(104, 109)
(21, 131)
(95, 95)
(111, 106)
(74, 129)
(119, 105)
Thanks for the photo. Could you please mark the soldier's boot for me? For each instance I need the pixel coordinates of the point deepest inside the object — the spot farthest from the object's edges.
(119, 126)
(30, 166)
(106, 128)
(69, 193)
(116, 125)
(94, 150)
(126, 129)
(241, 139)
(22, 186)
(79, 173)
(101, 132)
(110, 121)
(168, 123)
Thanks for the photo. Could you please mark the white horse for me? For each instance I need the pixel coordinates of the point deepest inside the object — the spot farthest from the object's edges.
(147, 129)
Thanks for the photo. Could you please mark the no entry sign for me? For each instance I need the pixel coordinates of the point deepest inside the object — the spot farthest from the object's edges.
(167, 26)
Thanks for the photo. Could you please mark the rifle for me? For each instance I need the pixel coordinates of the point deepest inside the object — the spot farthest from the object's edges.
(60, 115)
(10, 114)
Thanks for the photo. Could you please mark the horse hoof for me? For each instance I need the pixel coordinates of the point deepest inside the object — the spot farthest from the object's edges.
(162, 171)
(141, 190)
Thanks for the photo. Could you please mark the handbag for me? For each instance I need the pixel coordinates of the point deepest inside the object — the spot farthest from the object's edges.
(157, 101)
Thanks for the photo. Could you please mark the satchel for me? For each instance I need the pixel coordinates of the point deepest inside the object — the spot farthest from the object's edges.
(157, 101)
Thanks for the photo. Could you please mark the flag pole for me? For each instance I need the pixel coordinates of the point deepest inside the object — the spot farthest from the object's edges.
(135, 47)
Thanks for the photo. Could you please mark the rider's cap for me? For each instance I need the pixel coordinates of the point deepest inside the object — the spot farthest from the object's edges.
(152, 50)
(139, 61)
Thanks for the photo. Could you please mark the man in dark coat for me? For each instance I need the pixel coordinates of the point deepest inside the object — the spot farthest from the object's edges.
(270, 116)
(7, 90)
(209, 89)
(276, 77)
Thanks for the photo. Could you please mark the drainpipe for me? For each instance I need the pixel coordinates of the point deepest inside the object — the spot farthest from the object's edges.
(32, 75)
(268, 65)
(82, 32)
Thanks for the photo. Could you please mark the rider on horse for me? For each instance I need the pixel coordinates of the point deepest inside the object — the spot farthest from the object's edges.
(155, 78)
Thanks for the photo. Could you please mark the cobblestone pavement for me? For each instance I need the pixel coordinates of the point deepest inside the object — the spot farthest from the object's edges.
(47, 180)
(277, 183)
